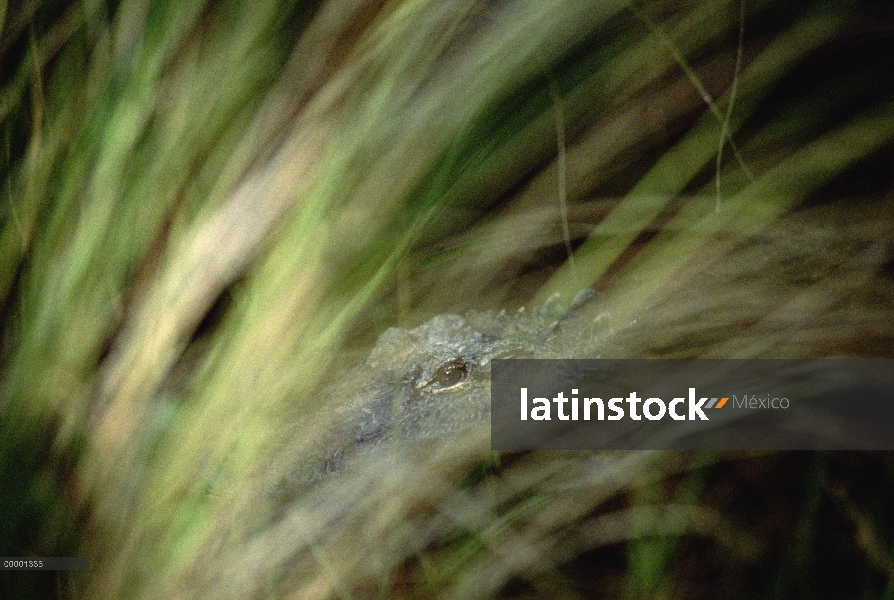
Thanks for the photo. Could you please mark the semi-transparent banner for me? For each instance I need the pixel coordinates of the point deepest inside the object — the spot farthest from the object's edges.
(824, 404)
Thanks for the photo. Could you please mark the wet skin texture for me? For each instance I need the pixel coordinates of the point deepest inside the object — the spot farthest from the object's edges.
(433, 381)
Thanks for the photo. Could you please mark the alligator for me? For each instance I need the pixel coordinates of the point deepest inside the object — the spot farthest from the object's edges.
(432, 382)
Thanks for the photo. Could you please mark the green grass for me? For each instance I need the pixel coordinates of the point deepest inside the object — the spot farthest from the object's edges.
(209, 209)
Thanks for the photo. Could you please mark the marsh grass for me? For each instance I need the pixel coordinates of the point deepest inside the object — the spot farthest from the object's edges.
(211, 209)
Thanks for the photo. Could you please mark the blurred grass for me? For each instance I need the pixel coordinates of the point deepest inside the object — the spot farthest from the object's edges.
(207, 206)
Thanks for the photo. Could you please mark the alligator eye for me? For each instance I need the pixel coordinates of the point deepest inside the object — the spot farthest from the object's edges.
(448, 375)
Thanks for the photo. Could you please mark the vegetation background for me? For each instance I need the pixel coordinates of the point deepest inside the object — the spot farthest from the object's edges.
(210, 209)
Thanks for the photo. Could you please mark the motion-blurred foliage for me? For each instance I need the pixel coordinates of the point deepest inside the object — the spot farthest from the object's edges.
(209, 209)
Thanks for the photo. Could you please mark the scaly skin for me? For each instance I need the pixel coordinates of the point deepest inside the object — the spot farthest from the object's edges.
(433, 381)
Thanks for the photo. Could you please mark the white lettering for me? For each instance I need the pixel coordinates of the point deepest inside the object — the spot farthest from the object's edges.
(662, 409)
(599, 403)
(560, 401)
(613, 405)
(673, 411)
(696, 408)
(524, 404)
(633, 400)
(540, 413)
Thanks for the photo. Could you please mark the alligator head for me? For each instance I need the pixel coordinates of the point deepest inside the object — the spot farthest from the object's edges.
(433, 381)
